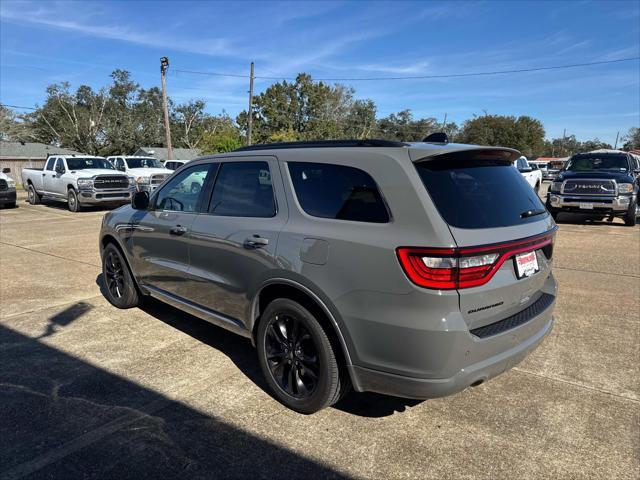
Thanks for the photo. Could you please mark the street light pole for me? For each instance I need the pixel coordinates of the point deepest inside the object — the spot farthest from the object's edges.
(250, 117)
(164, 64)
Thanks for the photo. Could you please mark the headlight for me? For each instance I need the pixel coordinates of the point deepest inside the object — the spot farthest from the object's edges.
(625, 188)
(132, 181)
(85, 182)
(555, 187)
(11, 183)
(142, 180)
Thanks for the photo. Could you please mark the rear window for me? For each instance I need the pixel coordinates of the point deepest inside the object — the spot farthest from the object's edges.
(338, 192)
(480, 195)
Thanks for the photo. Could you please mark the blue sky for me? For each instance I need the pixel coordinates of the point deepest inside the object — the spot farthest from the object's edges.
(82, 42)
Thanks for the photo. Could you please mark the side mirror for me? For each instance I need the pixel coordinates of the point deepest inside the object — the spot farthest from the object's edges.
(525, 170)
(140, 200)
(6, 170)
(121, 168)
(59, 169)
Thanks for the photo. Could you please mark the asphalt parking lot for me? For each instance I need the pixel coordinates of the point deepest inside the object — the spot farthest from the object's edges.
(90, 391)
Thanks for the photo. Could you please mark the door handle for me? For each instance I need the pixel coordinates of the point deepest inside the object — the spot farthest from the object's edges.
(256, 241)
(178, 230)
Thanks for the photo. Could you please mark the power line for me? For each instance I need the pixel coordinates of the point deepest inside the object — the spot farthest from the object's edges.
(17, 106)
(422, 77)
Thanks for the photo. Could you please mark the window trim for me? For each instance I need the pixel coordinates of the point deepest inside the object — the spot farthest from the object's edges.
(221, 163)
(301, 210)
(51, 161)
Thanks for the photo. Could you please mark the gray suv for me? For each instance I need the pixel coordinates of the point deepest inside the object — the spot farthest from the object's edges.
(409, 269)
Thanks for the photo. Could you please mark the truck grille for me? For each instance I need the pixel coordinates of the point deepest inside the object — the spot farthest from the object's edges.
(589, 187)
(4, 185)
(110, 181)
(158, 179)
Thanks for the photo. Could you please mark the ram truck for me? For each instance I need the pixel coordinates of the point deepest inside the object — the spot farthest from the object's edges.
(7, 189)
(601, 183)
(79, 181)
(531, 175)
(147, 172)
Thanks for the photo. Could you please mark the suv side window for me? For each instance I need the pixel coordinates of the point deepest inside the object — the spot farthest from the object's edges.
(50, 163)
(185, 191)
(243, 189)
(338, 192)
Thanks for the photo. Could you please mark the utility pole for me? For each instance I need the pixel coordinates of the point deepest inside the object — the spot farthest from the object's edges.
(164, 64)
(444, 123)
(564, 135)
(250, 112)
(616, 145)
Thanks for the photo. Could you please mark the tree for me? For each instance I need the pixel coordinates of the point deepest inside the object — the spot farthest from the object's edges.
(402, 127)
(632, 139)
(522, 133)
(12, 128)
(220, 135)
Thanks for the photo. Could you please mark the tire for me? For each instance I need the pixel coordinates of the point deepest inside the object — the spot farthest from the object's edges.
(630, 218)
(72, 201)
(537, 188)
(120, 288)
(554, 213)
(32, 196)
(289, 362)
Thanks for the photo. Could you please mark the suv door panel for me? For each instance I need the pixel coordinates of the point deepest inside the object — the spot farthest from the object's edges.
(230, 253)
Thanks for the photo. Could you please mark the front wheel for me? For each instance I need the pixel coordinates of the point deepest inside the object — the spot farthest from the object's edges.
(297, 358)
(120, 288)
(72, 201)
(32, 196)
(630, 218)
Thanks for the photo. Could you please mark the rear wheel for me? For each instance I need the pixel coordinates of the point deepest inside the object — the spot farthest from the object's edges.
(120, 287)
(297, 358)
(630, 218)
(32, 196)
(72, 201)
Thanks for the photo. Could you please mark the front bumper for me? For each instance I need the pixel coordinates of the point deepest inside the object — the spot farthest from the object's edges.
(8, 196)
(107, 196)
(572, 203)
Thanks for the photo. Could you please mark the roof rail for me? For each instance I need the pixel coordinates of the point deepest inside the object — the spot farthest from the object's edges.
(322, 144)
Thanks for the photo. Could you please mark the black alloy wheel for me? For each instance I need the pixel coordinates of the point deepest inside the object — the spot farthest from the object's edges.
(298, 359)
(292, 356)
(121, 290)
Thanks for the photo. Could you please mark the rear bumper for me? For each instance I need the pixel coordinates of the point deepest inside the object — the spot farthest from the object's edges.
(8, 196)
(423, 388)
(599, 203)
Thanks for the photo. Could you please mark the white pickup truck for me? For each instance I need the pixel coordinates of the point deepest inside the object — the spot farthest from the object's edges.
(532, 176)
(147, 172)
(78, 181)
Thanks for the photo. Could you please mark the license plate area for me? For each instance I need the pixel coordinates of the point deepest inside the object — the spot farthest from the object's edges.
(586, 206)
(526, 264)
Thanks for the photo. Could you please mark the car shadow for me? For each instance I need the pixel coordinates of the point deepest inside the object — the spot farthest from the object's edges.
(63, 417)
(240, 351)
(586, 219)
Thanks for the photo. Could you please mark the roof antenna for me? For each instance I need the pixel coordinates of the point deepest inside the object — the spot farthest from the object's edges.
(438, 137)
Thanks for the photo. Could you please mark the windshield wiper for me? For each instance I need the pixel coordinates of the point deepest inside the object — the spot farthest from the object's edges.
(531, 213)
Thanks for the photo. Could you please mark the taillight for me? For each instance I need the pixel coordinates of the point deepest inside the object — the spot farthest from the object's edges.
(452, 268)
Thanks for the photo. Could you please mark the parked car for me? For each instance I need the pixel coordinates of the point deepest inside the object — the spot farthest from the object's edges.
(533, 176)
(147, 172)
(7, 189)
(601, 182)
(410, 269)
(544, 167)
(79, 181)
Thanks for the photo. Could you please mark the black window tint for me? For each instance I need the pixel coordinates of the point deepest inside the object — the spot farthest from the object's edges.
(50, 163)
(59, 164)
(243, 189)
(338, 192)
(479, 195)
(183, 193)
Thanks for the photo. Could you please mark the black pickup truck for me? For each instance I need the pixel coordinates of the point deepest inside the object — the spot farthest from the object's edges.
(598, 183)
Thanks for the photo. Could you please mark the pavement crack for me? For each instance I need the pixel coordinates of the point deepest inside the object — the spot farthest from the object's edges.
(50, 254)
(555, 267)
(577, 384)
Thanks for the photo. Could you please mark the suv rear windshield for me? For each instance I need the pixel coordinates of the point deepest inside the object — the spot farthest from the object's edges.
(473, 194)
(601, 161)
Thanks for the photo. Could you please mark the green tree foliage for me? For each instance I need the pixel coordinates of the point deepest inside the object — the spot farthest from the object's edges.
(220, 135)
(632, 139)
(564, 147)
(12, 126)
(522, 133)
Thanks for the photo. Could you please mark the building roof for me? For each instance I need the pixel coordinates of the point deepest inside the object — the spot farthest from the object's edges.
(31, 150)
(161, 153)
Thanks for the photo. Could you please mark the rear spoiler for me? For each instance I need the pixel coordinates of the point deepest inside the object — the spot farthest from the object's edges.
(465, 153)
